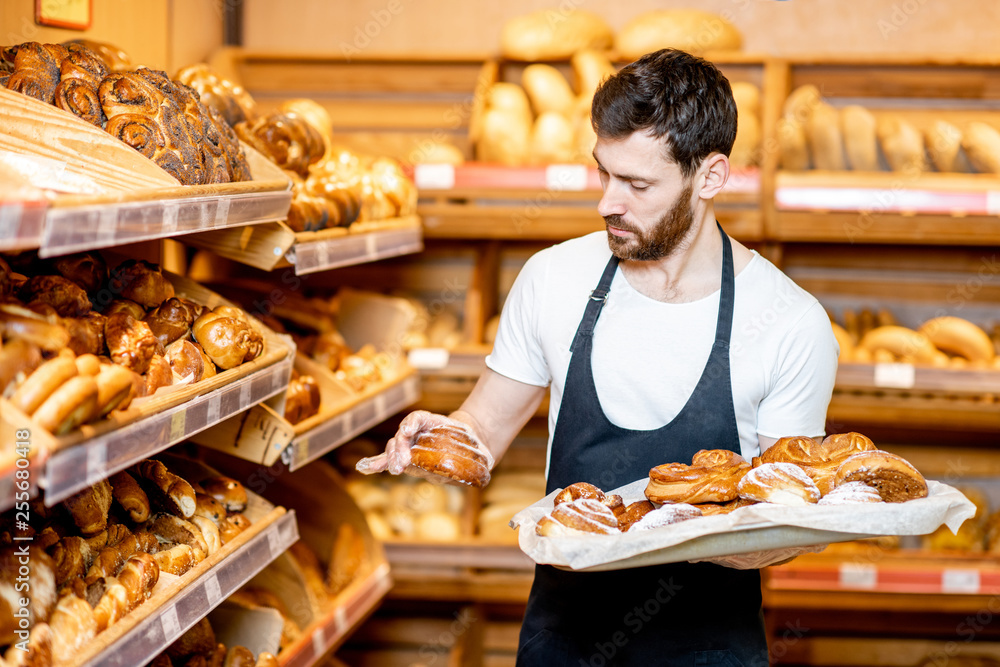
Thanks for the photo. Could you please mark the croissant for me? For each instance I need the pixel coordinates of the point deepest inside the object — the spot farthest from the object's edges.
(81, 73)
(36, 69)
(712, 477)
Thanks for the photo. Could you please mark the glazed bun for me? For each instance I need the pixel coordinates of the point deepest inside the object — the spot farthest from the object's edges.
(712, 477)
(780, 483)
(582, 515)
(450, 452)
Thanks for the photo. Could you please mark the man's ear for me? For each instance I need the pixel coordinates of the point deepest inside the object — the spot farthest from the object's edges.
(714, 172)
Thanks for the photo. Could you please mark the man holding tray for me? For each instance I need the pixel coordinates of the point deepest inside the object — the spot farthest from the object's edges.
(658, 338)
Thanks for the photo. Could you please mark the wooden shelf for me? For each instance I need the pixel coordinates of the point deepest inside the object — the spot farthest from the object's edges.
(21, 224)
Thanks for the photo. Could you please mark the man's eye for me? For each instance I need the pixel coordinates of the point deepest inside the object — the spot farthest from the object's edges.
(638, 188)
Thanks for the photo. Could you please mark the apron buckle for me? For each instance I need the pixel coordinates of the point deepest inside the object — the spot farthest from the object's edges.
(599, 295)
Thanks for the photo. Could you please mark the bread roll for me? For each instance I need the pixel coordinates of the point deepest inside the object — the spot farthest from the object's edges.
(451, 452)
(166, 490)
(584, 140)
(176, 560)
(590, 68)
(800, 103)
(584, 515)
(826, 143)
(510, 97)
(689, 30)
(860, 142)
(73, 624)
(553, 34)
(793, 145)
(780, 483)
(127, 493)
(505, 138)
(944, 145)
(744, 153)
(747, 96)
(552, 140)
(548, 90)
(982, 144)
(577, 491)
(851, 493)
(902, 144)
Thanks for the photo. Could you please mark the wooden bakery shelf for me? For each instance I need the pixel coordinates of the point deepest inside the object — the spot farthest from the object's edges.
(177, 603)
(919, 379)
(21, 224)
(903, 410)
(103, 193)
(845, 207)
(353, 606)
(274, 245)
(94, 451)
(553, 202)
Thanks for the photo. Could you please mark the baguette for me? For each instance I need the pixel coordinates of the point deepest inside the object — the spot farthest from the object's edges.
(860, 141)
(902, 144)
(944, 145)
(982, 144)
(826, 144)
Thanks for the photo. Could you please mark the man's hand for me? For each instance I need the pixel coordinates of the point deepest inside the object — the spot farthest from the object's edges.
(396, 458)
(758, 559)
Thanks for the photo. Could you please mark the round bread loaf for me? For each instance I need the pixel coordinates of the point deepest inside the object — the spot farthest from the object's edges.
(689, 30)
(450, 452)
(553, 34)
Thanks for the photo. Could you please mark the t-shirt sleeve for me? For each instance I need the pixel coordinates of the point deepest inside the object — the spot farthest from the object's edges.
(517, 351)
(803, 384)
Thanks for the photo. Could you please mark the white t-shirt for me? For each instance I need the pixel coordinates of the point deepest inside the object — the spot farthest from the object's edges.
(649, 355)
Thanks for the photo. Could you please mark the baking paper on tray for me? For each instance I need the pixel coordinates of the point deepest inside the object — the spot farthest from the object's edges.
(747, 529)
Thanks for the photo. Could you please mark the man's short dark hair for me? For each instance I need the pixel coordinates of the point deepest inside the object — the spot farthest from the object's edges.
(671, 94)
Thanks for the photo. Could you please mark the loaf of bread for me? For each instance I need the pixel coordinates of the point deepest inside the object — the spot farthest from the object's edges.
(748, 132)
(944, 146)
(902, 144)
(860, 141)
(982, 144)
(552, 140)
(826, 143)
(690, 30)
(553, 34)
(547, 90)
(590, 68)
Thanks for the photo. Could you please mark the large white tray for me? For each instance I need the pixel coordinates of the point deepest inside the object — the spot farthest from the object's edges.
(753, 528)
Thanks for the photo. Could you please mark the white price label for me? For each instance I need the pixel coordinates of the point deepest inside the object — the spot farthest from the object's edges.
(178, 423)
(858, 575)
(245, 395)
(273, 543)
(340, 616)
(371, 246)
(993, 203)
(380, 406)
(97, 463)
(960, 581)
(319, 642)
(566, 177)
(107, 224)
(214, 409)
(170, 219)
(896, 376)
(429, 358)
(171, 626)
(10, 220)
(434, 176)
(221, 213)
(212, 590)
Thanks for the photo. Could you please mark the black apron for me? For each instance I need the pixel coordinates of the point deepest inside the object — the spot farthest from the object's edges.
(674, 614)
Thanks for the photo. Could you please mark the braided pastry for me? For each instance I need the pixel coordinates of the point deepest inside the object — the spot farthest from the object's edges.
(287, 140)
(449, 451)
(780, 483)
(895, 479)
(581, 515)
(81, 73)
(233, 103)
(35, 71)
(712, 477)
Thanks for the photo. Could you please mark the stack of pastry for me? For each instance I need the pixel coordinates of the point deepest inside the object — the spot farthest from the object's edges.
(302, 398)
(162, 119)
(198, 647)
(231, 100)
(82, 341)
(98, 555)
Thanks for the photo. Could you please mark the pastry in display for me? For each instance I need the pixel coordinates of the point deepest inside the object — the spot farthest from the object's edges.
(583, 515)
(302, 398)
(780, 483)
(858, 126)
(893, 476)
(80, 76)
(665, 515)
(230, 100)
(114, 58)
(712, 477)
(34, 69)
(286, 139)
(228, 337)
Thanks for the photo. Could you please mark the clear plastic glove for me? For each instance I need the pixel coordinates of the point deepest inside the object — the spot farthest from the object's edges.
(396, 457)
(758, 559)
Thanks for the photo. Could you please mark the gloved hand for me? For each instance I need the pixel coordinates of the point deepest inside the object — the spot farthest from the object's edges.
(758, 559)
(396, 457)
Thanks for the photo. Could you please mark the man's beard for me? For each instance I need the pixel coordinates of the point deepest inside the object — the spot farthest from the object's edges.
(659, 242)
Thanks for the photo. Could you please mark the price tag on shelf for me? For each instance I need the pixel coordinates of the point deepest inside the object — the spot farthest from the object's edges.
(371, 246)
(566, 177)
(97, 462)
(896, 376)
(340, 615)
(858, 575)
(221, 213)
(169, 622)
(107, 224)
(380, 406)
(429, 358)
(993, 203)
(212, 589)
(434, 176)
(10, 219)
(319, 642)
(245, 395)
(960, 581)
(178, 422)
(214, 409)
(273, 543)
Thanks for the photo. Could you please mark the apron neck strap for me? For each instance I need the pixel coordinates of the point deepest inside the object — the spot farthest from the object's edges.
(594, 304)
